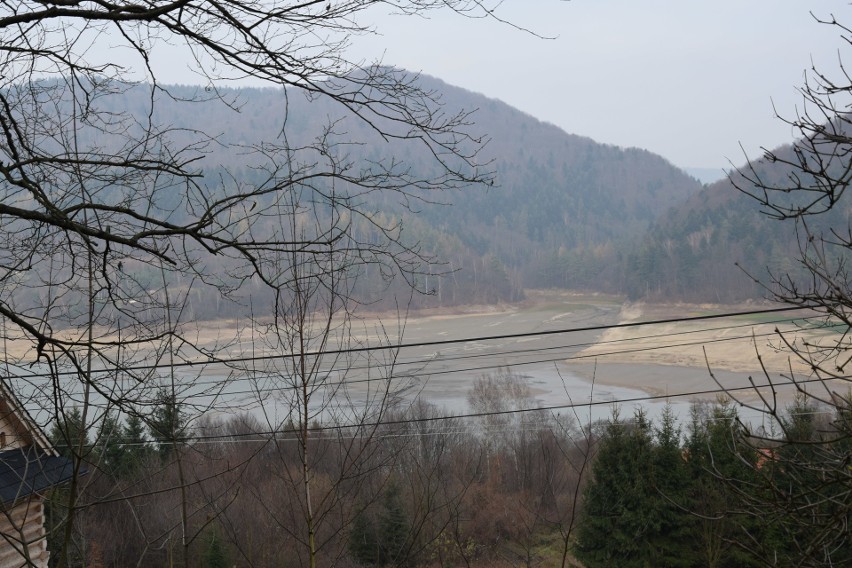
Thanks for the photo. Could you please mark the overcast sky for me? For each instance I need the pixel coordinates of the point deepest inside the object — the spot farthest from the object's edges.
(689, 80)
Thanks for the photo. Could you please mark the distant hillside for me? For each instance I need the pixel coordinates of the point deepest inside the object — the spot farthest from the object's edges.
(708, 248)
(563, 212)
(564, 206)
(560, 214)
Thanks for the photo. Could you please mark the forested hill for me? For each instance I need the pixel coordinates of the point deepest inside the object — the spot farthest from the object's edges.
(561, 213)
(713, 246)
(565, 206)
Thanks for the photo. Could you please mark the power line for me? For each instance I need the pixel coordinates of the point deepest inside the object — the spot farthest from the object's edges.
(221, 389)
(221, 385)
(374, 425)
(399, 346)
(209, 394)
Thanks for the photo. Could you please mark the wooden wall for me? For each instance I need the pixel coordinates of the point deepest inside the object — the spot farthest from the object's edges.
(23, 536)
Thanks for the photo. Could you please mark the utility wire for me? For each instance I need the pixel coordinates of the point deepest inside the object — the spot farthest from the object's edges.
(399, 346)
(539, 361)
(222, 384)
(221, 390)
(368, 426)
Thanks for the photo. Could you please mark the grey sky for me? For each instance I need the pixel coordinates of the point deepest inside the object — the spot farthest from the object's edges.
(687, 79)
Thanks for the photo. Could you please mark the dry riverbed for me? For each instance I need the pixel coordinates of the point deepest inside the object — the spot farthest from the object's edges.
(535, 339)
(683, 357)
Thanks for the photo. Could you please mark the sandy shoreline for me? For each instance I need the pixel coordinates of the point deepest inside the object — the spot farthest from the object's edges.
(737, 344)
(684, 357)
(659, 359)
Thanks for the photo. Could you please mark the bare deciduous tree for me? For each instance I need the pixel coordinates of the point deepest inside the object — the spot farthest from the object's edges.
(804, 466)
(116, 223)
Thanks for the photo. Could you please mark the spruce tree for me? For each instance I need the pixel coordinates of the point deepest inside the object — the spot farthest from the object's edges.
(616, 513)
(167, 425)
(807, 494)
(670, 543)
(393, 528)
(68, 433)
(706, 499)
(382, 539)
(722, 465)
(109, 445)
(633, 514)
(137, 449)
(363, 541)
(638, 520)
(215, 551)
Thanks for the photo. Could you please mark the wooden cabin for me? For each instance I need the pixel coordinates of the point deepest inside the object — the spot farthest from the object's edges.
(29, 466)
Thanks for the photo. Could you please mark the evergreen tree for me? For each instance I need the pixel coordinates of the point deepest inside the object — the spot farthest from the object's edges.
(617, 512)
(215, 551)
(109, 445)
(634, 511)
(69, 436)
(722, 466)
(382, 539)
(639, 521)
(809, 498)
(121, 448)
(602, 504)
(393, 528)
(363, 541)
(167, 425)
(670, 541)
(137, 449)
(707, 498)
(68, 432)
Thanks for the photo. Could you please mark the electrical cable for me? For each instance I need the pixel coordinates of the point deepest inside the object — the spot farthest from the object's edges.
(400, 346)
(487, 414)
(539, 361)
(224, 383)
(221, 385)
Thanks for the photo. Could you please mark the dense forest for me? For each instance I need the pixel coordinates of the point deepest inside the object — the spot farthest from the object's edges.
(563, 211)
(722, 245)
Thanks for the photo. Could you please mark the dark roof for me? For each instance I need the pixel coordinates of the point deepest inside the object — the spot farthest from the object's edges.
(28, 470)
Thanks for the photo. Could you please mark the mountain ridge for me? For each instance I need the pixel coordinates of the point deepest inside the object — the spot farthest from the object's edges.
(561, 212)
